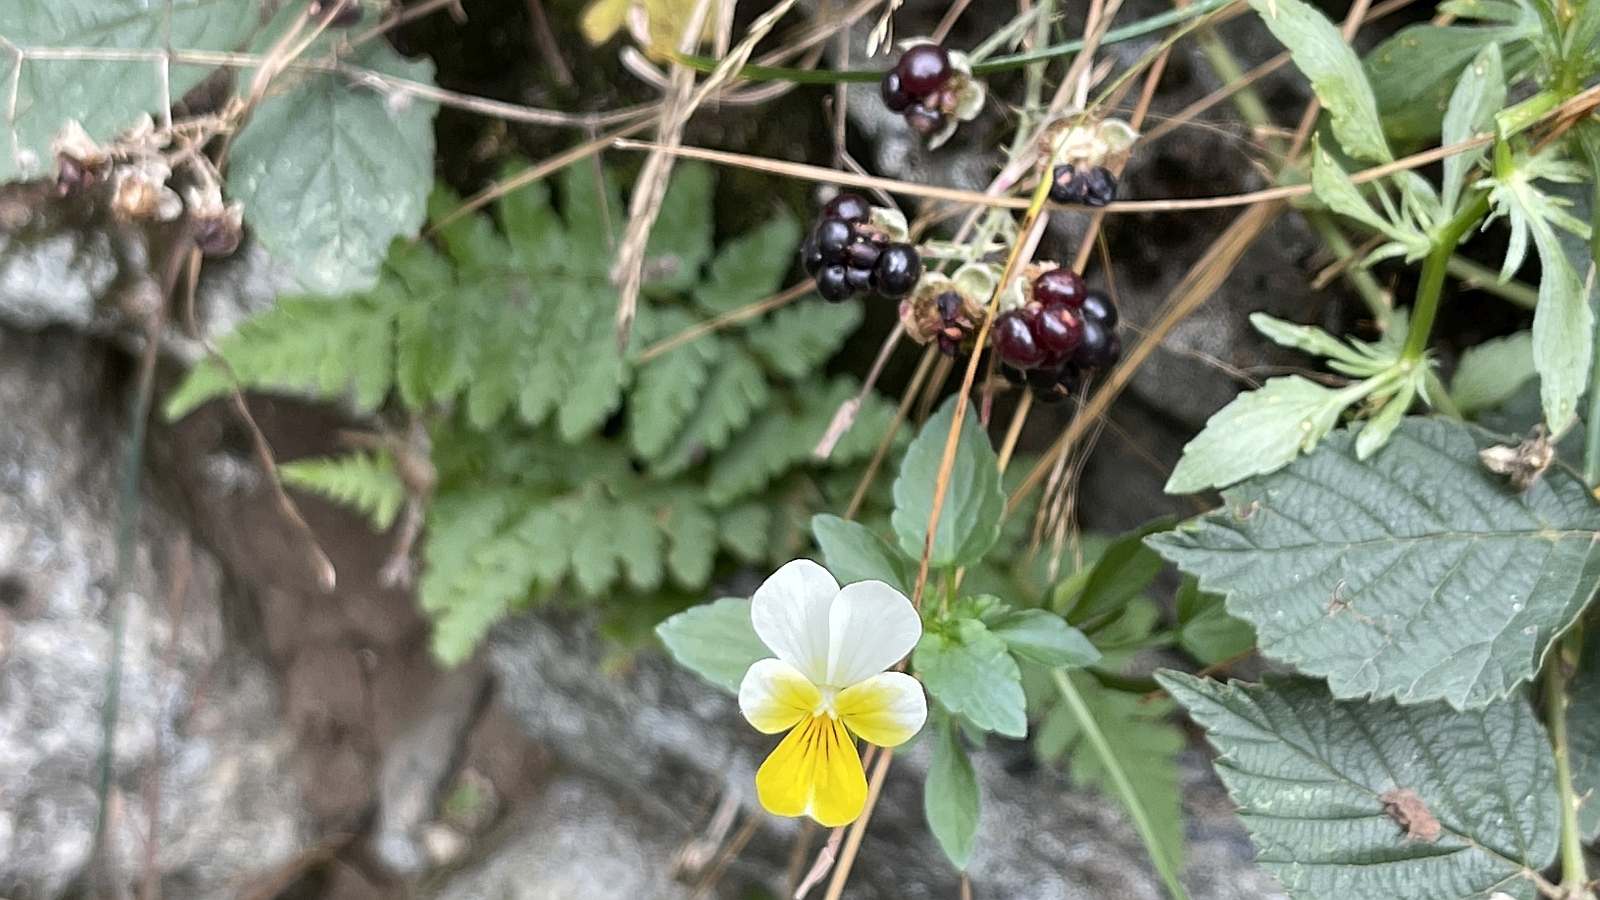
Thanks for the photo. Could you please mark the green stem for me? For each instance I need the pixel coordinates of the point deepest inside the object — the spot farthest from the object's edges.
(1574, 871)
(1433, 272)
(998, 64)
(1591, 442)
(1378, 302)
(1120, 781)
(1482, 278)
(1439, 398)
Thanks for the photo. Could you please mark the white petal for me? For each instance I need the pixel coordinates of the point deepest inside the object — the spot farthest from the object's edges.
(774, 696)
(790, 615)
(871, 627)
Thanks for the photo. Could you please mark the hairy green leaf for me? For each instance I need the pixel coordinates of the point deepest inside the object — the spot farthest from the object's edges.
(331, 171)
(749, 267)
(1323, 787)
(950, 796)
(1479, 94)
(800, 337)
(1320, 51)
(1414, 72)
(1414, 574)
(1259, 431)
(1491, 372)
(967, 668)
(969, 520)
(715, 641)
(105, 96)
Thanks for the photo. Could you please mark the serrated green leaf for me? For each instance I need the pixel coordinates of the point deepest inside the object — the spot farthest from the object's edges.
(1311, 776)
(692, 533)
(669, 387)
(749, 267)
(969, 520)
(799, 338)
(1309, 338)
(853, 552)
(1414, 574)
(1376, 431)
(105, 96)
(313, 346)
(715, 641)
(1259, 431)
(1491, 372)
(1045, 638)
(1563, 327)
(736, 390)
(1319, 50)
(1478, 95)
(968, 669)
(782, 438)
(331, 171)
(743, 529)
(680, 242)
(950, 797)
(1205, 630)
(367, 482)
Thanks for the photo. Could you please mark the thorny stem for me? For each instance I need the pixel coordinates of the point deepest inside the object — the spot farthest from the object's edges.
(1574, 871)
(1433, 273)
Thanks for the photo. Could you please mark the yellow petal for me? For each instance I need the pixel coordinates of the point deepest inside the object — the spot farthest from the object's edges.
(815, 771)
(886, 709)
(774, 696)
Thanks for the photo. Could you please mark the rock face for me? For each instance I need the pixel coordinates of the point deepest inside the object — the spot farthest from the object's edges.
(671, 747)
(199, 799)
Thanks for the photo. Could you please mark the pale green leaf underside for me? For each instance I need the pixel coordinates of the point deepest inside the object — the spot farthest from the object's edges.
(1259, 431)
(1491, 372)
(330, 172)
(105, 96)
(715, 641)
(1308, 772)
(1335, 72)
(1413, 574)
(950, 797)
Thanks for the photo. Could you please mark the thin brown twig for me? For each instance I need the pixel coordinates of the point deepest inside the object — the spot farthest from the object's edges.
(549, 49)
(672, 342)
(858, 828)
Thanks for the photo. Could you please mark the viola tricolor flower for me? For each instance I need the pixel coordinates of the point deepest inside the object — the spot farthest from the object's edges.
(828, 686)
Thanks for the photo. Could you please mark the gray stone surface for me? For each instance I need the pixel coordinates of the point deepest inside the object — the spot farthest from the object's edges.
(577, 840)
(196, 742)
(667, 744)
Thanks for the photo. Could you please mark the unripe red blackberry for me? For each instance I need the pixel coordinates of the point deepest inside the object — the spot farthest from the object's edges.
(1059, 287)
(1058, 331)
(1013, 339)
(923, 69)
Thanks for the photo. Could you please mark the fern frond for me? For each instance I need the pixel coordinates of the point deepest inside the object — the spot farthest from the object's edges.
(367, 482)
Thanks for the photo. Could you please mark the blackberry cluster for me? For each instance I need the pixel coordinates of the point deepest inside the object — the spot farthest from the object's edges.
(848, 255)
(1091, 185)
(1063, 335)
(918, 87)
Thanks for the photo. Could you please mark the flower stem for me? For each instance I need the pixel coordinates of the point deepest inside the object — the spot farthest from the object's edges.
(1433, 273)
(1574, 872)
(1119, 780)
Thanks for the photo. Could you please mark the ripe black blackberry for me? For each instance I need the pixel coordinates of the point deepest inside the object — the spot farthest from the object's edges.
(1088, 185)
(847, 254)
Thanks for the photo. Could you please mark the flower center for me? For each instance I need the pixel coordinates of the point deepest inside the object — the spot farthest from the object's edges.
(824, 705)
